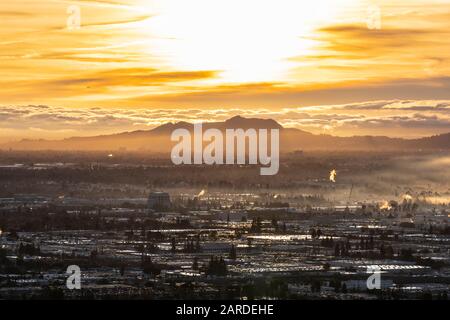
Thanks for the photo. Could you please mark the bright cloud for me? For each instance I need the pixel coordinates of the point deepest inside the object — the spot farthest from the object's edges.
(393, 118)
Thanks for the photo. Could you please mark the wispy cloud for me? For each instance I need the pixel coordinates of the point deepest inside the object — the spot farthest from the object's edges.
(336, 60)
(398, 118)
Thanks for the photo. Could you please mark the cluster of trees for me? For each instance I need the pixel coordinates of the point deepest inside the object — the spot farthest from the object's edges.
(54, 218)
(327, 242)
(277, 227)
(183, 223)
(191, 247)
(149, 267)
(256, 226)
(386, 251)
(342, 249)
(315, 233)
(3, 258)
(28, 249)
(217, 267)
(316, 286)
(366, 243)
(263, 288)
(233, 254)
(338, 285)
(444, 230)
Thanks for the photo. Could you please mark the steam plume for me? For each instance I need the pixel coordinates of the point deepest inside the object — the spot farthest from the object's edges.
(333, 174)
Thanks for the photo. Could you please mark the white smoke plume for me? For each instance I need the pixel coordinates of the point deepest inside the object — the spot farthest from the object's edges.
(333, 175)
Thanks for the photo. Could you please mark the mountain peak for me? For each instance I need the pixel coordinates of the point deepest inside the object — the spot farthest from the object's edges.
(245, 123)
(235, 118)
(158, 139)
(170, 126)
(236, 122)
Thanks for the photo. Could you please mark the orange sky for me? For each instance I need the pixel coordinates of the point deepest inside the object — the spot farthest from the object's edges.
(315, 65)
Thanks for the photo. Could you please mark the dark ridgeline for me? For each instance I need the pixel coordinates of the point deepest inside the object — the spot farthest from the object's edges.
(157, 140)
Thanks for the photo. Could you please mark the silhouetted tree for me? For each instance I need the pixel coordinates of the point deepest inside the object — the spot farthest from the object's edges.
(217, 267)
(232, 255)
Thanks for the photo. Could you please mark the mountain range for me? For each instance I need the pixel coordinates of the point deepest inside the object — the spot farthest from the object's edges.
(157, 140)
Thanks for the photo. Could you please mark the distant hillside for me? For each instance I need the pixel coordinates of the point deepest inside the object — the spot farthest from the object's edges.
(158, 139)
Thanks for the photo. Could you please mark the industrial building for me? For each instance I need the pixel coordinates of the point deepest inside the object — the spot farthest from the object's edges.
(159, 200)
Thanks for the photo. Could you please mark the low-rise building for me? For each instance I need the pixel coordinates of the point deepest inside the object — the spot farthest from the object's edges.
(159, 200)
